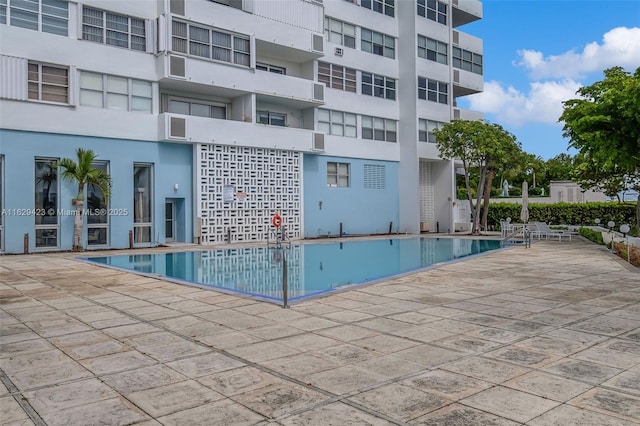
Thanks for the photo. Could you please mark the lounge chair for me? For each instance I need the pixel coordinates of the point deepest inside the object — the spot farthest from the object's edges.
(543, 229)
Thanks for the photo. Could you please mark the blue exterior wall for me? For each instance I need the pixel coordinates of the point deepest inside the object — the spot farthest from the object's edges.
(172, 164)
(360, 210)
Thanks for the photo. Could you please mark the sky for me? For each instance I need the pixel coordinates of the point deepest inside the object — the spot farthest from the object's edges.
(538, 53)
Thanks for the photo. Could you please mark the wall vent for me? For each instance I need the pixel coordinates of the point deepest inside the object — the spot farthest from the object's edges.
(455, 37)
(339, 51)
(318, 142)
(177, 128)
(177, 66)
(456, 76)
(318, 92)
(177, 7)
(456, 114)
(317, 43)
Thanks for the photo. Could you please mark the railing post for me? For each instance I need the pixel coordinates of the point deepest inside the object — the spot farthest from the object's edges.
(285, 284)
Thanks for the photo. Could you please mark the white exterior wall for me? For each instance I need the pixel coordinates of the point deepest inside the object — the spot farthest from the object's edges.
(284, 36)
(570, 192)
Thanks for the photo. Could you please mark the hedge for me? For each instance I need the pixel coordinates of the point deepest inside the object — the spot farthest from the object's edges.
(592, 235)
(565, 213)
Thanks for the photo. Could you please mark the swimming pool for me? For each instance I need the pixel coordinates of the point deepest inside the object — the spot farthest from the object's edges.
(312, 269)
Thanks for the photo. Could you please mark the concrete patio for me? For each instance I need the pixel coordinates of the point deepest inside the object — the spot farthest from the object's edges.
(548, 335)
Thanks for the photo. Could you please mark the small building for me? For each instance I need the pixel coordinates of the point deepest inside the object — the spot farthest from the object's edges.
(566, 191)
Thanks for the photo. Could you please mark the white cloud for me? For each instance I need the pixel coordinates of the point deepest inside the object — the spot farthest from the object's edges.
(619, 47)
(542, 104)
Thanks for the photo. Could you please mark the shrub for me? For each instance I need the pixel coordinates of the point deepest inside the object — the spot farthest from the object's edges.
(566, 213)
(535, 191)
(592, 235)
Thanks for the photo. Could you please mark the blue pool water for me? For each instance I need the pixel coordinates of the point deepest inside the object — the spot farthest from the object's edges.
(311, 268)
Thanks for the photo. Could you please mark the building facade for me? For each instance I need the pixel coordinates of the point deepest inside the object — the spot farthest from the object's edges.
(211, 116)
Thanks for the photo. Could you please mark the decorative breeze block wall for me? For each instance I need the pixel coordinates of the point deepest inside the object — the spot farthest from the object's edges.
(427, 195)
(241, 188)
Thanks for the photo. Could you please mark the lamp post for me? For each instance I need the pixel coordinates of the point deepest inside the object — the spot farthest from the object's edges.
(625, 230)
(597, 221)
(610, 225)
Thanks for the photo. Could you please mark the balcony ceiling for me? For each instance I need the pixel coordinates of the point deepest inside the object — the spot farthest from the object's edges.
(182, 86)
(461, 17)
(286, 102)
(285, 53)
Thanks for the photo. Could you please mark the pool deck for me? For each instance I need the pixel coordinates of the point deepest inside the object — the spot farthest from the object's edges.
(547, 335)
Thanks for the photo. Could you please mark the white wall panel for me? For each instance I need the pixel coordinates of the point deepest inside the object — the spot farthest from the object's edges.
(301, 13)
(13, 78)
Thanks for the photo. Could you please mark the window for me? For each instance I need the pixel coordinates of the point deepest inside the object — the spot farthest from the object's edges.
(433, 10)
(378, 86)
(113, 29)
(142, 202)
(271, 68)
(466, 60)
(379, 129)
(194, 107)
(208, 43)
(3, 11)
(48, 16)
(374, 176)
(113, 92)
(340, 32)
(46, 203)
(426, 128)
(432, 50)
(338, 175)
(386, 7)
(48, 83)
(378, 43)
(97, 206)
(337, 123)
(432, 90)
(271, 118)
(337, 77)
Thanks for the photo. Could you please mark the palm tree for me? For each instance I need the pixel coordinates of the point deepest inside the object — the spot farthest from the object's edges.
(83, 172)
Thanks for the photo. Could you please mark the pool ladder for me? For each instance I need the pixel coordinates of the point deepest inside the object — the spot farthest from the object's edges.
(278, 242)
(513, 237)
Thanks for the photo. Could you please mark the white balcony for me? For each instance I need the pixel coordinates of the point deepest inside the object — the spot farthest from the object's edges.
(293, 29)
(213, 78)
(361, 148)
(190, 129)
(88, 121)
(466, 83)
(295, 92)
(428, 151)
(466, 11)
(467, 114)
(467, 42)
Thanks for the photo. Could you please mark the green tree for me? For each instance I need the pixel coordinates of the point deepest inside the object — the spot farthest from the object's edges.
(604, 124)
(82, 172)
(481, 146)
(610, 179)
(559, 167)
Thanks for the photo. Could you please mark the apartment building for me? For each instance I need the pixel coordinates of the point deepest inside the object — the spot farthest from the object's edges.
(211, 116)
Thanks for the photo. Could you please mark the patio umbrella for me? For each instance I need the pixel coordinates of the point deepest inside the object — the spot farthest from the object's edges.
(524, 213)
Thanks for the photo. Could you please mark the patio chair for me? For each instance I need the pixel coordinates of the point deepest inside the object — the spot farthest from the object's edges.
(543, 230)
